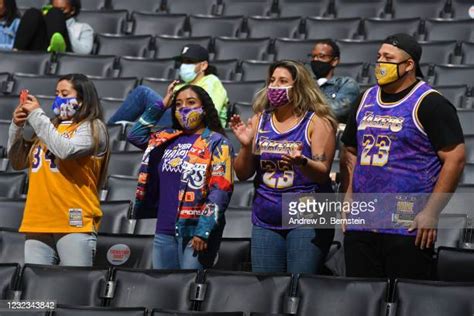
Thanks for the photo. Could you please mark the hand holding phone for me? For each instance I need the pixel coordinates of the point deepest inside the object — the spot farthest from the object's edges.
(23, 96)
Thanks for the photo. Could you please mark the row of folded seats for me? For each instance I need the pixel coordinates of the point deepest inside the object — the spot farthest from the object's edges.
(458, 9)
(225, 291)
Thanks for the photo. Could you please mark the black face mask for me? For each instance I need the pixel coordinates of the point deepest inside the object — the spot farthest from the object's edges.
(320, 68)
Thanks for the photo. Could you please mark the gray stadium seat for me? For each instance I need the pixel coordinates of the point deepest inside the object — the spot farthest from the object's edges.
(234, 255)
(361, 8)
(437, 52)
(64, 285)
(11, 213)
(4, 126)
(255, 70)
(171, 46)
(124, 250)
(226, 69)
(302, 8)
(299, 50)
(147, 67)
(136, 287)
(114, 87)
(455, 264)
(12, 246)
(142, 5)
(243, 194)
(353, 70)
(109, 107)
(467, 53)
(379, 29)
(341, 28)
(246, 7)
(205, 25)
(194, 7)
(115, 217)
(158, 84)
(454, 74)
(8, 104)
(93, 4)
(238, 222)
(25, 62)
(121, 188)
(101, 66)
(273, 27)
(233, 48)
(467, 176)
(9, 274)
(110, 21)
(145, 226)
(242, 91)
(469, 141)
(245, 111)
(158, 24)
(115, 137)
(160, 312)
(125, 163)
(43, 85)
(12, 184)
(234, 142)
(417, 8)
(358, 51)
(126, 45)
(438, 29)
(455, 95)
(450, 228)
(31, 3)
(65, 310)
(433, 298)
(460, 9)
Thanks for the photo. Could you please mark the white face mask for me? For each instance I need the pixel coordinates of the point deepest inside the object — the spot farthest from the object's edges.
(187, 72)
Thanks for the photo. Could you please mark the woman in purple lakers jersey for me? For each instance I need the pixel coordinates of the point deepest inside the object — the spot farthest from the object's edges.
(290, 145)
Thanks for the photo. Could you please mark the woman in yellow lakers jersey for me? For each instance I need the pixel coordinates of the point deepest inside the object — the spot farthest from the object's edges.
(67, 160)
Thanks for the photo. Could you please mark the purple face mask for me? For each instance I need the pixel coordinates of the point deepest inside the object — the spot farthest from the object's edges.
(278, 96)
(189, 118)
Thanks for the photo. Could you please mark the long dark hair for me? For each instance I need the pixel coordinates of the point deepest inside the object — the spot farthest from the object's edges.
(11, 11)
(211, 118)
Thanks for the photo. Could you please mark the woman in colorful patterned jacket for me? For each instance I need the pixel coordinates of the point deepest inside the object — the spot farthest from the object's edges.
(185, 179)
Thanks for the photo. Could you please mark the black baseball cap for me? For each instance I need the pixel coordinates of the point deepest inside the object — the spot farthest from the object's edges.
(408, 44)
(193, 52)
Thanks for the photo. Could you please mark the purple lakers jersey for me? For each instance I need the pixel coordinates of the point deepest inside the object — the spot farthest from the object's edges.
(394, 155)
(274, 177)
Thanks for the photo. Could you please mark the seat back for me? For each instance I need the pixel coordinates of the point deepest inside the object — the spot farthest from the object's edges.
(455, 264)
(12, 184)
(9, 273)
(12, 246)
(125, 45)
(65, 310)
(144, 67)
(24, 62)
(101, 66)
(204, 25)
(115, 217)
(110, 21)
(158, 24)
(11, 213)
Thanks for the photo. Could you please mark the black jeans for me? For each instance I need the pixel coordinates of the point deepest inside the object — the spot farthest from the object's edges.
(369, 254)
(35, 30)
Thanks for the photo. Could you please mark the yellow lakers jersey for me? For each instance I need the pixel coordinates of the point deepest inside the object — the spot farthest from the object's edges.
(62, 194)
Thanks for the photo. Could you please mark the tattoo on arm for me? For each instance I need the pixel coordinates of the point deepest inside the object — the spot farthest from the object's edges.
(321, 157)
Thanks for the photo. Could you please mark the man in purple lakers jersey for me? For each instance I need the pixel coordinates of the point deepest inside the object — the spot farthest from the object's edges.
(403, 138)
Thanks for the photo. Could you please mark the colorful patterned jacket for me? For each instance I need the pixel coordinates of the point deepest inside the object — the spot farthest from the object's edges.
(206, 183)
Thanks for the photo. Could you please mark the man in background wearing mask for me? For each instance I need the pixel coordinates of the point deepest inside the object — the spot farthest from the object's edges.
(341, 92)
(404, 138)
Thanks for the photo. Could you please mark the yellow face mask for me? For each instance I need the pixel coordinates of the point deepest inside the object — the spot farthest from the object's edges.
(386, 72)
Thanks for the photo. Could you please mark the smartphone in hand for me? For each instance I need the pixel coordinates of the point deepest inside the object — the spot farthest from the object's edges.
(23, 96)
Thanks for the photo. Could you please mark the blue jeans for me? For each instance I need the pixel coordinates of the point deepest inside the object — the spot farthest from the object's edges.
(169, 253)
(77, 249)
(135, 104)
(292, 251)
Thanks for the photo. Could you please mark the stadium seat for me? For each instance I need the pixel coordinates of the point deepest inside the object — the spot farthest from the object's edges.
(379, 29)
(358, 51)
(123, 250)
(451, 227)
(125, 163)
(64, 285)
(110, 21)
(25, 62)
(254, 70)
(12, 246)
(455, 95)
(115, 136)
(8, 103)
(11, 213)
(439, 29)
(353, 70)
(101, 66)
(64, 310)
(125, 45)
(244, 110)
(243, 291)
(145, 67)
(234, 255)
(433, 298)
(4, 76)
(454, 74)
(36, 85)
(226, 69)
(114, 87)
(467, 53)
(455, 264)
(205, 25)
(109, 107)
(115, 217)
(341, 28)
(242, 91)
(238, 222)
(243, 194)
(195, 6)
(158, 312)
(158, 84)
(153, 288)
(246, 7)
(437, 52)
(4, 126)
(417, 8)
(26, 4)
(469, 141)
(46, 104)
(93, 4)
(145, 226)
(460, 9)
(295, 49)
(121, 188)
(288, 27)
(234, 142)
(9, 273)
(320, 295)
(467, 176)
(364, 8)
(233, 48)
(171, 46)
(12, 184)
(158, 24)
(142, 5)
(302, 8)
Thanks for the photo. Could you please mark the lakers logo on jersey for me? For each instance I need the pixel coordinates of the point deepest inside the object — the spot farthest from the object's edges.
(386, 122)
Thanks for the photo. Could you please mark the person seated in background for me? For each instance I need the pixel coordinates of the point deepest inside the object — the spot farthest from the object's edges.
(341, 92)
(186, 179)
(55, 29)
(194, 70)
(9, 21)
